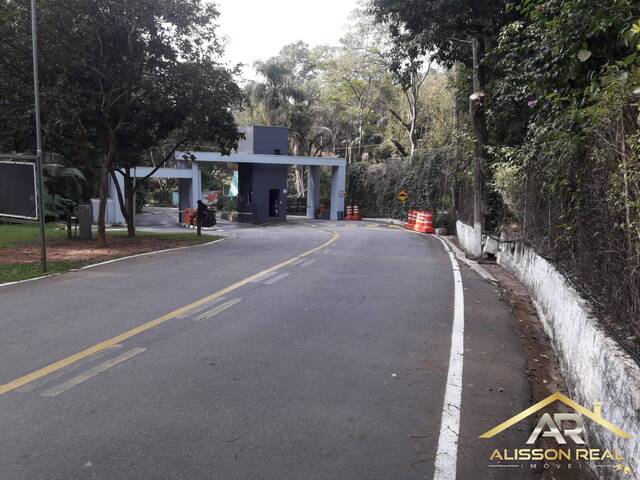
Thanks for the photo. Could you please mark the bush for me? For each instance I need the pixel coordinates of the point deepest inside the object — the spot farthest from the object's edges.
(230, 205)
(374, 188)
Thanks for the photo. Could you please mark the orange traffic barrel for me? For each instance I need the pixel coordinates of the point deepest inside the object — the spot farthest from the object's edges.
(411, 220)
(356, 213)
(187, 216)
(349, 215)
(424, 222)
(420, 221)
(428, 219)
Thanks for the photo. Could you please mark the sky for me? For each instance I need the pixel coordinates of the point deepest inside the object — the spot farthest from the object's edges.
(258, 29)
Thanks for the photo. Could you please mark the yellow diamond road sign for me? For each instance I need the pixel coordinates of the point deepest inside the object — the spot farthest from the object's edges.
(402, 196)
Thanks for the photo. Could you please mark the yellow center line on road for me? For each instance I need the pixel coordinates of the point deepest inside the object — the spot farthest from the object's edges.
(65, 362)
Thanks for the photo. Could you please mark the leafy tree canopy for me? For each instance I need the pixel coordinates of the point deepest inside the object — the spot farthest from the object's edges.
(433, 24)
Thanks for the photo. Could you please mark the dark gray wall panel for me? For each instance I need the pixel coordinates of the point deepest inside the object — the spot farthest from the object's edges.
(17, 190)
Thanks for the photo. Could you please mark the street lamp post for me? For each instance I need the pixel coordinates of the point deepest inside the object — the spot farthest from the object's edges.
(36, 94)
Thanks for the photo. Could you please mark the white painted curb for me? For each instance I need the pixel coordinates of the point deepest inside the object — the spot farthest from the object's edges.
(475, 266)
(392, 221)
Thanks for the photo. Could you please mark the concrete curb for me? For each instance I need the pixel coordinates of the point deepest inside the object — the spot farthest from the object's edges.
(392, 221)
(475, 266)
(194, 227)
(114, 260)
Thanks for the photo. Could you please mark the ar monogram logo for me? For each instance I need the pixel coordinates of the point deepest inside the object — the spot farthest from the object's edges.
(554, 426)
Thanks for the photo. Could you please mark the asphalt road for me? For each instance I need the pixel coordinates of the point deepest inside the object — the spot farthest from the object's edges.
(331, 366)
(157, 217)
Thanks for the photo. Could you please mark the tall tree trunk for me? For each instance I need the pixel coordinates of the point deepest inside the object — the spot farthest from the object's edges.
(412, 133)
(299, 149)
(126, 200)
(360, 130)
(102, 210)
(458, 153)
(130, 194)
(110, 156)
(300, 180)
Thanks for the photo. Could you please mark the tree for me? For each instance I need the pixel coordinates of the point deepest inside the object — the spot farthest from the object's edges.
(289, 95)
(434, 23)
(200, 114)
(123, 80)
(339, 99)
(358, 78)
(407, 66)
(435, 120)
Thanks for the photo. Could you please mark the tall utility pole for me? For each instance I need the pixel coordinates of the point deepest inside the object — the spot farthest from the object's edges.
(476, 111)
(36, 94)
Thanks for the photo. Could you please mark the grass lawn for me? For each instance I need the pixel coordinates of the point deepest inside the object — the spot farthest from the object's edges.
(14, 272)
(12, 235)
(20, 251)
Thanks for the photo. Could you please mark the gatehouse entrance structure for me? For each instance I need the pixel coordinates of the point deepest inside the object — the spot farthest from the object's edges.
(262, 177)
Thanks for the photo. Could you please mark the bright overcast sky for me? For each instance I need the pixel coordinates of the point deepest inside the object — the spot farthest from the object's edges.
(258, 29)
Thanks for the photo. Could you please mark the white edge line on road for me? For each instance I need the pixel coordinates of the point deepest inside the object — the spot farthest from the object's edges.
(93, 265)
(475, 266)
(447, 454)
(89, 374)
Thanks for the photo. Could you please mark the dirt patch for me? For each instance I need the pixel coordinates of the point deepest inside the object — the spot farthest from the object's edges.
(86, 251)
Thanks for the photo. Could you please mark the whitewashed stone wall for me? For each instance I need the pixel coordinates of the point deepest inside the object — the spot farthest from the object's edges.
(594, 365)
(465, 237)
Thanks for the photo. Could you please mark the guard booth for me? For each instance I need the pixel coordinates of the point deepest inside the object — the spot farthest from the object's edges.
(262, 175)
(262, 193)
(262, 188)
(263, 166)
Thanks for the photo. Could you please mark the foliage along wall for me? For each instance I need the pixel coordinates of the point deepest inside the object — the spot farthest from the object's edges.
(426, 179)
